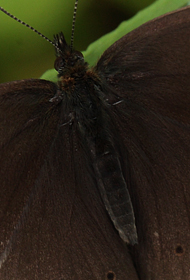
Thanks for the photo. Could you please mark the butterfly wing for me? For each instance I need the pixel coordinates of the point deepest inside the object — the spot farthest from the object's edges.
(53, 222)
(146, 77)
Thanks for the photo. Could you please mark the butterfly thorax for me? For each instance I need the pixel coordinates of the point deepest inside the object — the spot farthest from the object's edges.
(77, 89)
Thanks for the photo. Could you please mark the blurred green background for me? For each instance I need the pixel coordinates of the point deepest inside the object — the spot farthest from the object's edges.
(23, 54)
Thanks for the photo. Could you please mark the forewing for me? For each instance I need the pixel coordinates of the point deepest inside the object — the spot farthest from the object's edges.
(146, 77)
(53, 222)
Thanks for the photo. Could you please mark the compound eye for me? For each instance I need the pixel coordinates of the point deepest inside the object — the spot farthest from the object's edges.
(59, 63)
(78, 55)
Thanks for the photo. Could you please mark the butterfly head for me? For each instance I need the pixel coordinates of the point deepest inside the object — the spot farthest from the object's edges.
(68, 60)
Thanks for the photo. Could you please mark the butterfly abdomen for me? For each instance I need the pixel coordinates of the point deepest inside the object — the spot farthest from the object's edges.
(94, 125)
(113, 188)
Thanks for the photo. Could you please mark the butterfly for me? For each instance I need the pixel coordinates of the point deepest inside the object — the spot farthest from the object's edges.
(99, 161)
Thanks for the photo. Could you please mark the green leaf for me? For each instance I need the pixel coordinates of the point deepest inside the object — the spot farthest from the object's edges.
(96, 49)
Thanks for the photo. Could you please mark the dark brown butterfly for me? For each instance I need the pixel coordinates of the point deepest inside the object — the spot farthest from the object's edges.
(71, 150)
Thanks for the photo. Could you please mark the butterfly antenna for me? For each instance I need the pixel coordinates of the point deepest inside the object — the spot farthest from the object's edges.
(30, 27)
(73, 25)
